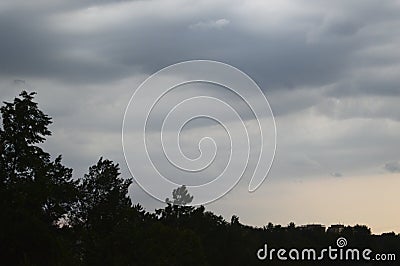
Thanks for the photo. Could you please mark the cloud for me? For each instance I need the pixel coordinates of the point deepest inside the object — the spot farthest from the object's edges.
(317, 65)
(211, 24)
(102, 41)
(393, 167)
(365, 106)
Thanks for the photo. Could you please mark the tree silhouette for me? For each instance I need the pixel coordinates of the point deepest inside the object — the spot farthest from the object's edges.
(177, 212)
(36, 193)
(235, 220)
(104, 206)
(103, 194)
(47, 218)
(180, 196)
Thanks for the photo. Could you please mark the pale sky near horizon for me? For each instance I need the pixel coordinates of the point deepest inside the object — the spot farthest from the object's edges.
(330, 71)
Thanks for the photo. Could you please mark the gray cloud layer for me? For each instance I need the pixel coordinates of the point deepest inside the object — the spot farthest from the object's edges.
(282, 45)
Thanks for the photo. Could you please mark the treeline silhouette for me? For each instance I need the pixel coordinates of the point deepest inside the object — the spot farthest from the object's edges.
(49, 218)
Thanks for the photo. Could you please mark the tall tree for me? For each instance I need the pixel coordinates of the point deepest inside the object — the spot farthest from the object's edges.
(104, 194)
(37, 193)
(104, 208)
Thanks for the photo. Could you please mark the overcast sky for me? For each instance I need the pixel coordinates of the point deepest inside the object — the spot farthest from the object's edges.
(330, 71)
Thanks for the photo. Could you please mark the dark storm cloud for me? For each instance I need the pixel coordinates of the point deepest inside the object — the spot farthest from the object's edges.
(32, 47)
(330, 58)
(99, 41)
